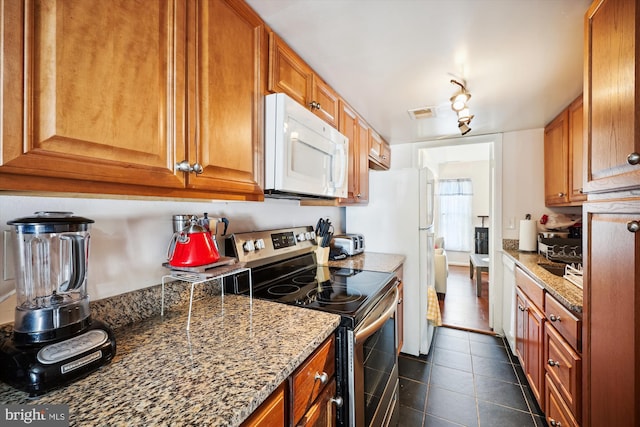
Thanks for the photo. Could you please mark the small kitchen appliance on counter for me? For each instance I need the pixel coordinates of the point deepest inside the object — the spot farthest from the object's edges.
(351, 244)
(54, 340)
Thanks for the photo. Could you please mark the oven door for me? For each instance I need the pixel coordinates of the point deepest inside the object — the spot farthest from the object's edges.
(373, 367)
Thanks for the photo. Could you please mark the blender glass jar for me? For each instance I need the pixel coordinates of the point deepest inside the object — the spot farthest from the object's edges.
(51, 253)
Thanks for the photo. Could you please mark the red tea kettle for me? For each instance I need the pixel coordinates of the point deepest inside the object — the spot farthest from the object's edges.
(192, 247)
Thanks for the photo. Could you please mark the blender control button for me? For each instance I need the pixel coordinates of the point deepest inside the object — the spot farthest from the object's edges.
(57, 352)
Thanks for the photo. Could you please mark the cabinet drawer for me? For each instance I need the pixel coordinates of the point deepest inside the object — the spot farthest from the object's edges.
(322, 413)
(530, 288)
(306, 383)
(555, 409)
(564, 367)
(568, 325)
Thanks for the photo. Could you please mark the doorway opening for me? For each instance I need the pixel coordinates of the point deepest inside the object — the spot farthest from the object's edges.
(467, 303)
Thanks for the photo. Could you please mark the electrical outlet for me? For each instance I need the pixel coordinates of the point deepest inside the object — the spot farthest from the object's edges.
(7, 256)
(512, 223)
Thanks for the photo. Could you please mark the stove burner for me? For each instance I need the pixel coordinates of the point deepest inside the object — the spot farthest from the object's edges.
(305, 279)
(333, 294)
(285, 289)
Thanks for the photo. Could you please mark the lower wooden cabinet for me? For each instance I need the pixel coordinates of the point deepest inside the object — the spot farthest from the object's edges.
(556, 411)
(311, 378)
(272, 412)
(307, 398)
(529, 332)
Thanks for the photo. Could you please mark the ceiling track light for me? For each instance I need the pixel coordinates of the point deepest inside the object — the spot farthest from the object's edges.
(459, 105)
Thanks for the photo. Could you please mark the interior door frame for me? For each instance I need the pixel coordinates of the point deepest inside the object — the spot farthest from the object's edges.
(495, 213)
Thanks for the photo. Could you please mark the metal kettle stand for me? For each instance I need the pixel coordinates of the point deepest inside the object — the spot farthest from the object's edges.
(199, 278)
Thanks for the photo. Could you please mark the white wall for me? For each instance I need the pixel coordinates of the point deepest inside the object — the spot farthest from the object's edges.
(130, 237)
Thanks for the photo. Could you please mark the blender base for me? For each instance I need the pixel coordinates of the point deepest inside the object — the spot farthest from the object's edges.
(39, 368)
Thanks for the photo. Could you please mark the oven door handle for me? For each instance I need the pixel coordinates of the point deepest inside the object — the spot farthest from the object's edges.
(376, 324)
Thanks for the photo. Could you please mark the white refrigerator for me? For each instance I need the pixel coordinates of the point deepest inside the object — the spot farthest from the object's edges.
(399, 220)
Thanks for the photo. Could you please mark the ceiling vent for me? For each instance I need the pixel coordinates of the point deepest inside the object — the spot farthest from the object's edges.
(422, 113)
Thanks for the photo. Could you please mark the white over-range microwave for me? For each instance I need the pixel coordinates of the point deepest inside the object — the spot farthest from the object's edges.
(304, 156)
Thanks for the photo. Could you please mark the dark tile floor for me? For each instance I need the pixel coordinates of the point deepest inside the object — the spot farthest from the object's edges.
(467, 379)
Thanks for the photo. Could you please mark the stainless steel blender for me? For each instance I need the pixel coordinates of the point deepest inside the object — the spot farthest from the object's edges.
(54, 339)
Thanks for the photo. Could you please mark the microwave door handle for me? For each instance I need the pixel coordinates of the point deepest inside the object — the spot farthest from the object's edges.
(374, 326)
(343, 164)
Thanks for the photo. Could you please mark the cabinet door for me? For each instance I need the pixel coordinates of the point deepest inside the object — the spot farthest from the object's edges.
(611, 95)
(354, 128)
(326, 100)
(576, 155)
(556, 161)
(611, 347)
(379, 152)
(226, 106)
(323, 411)
(96, 89)
(533, 348)
(348, 126)
(521, 324)
(288, 73)
(272, 412)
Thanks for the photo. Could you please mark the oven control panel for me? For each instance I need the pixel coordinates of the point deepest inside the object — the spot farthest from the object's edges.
(283, 240)
(257, 248)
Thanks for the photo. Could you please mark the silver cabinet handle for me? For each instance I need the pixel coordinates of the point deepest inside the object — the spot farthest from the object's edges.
(337, 401)
(633, 159)
(323, 377)
(633, 226)
(554, 423)
(561, 194)
(184, 166)
(554, 318)
(552, 362)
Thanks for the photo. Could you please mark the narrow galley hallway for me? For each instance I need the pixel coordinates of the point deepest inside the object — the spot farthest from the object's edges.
(467, 379)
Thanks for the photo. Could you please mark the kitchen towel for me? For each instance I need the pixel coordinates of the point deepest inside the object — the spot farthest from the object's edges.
(433, 307)
(528, 236)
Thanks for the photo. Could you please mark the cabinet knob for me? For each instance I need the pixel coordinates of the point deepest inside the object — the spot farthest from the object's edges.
(633, 159)
(554, 423)
(633, 226)
(315, 105)
(554, 318)
(561, 194)
(184, 166)
(337, 401)
(552, 362)
(359, 195)
(521, 308)
(323, 377)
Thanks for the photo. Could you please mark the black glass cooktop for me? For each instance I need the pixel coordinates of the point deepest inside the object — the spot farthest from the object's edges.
(344, 291)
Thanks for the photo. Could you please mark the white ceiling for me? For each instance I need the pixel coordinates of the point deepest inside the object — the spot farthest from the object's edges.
(521, 59)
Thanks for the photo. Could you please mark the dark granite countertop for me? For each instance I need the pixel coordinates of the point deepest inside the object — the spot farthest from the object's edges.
(235, 355)
(373, 261)
(563, 290)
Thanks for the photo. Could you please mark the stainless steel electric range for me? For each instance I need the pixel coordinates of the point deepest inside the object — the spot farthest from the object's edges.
(284, 269)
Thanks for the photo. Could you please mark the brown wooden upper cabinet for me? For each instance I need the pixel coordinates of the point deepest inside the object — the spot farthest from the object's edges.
(354, 127)
(563, 157)
(611, 96)
(117, 94)
(379, 152)
(288, 73)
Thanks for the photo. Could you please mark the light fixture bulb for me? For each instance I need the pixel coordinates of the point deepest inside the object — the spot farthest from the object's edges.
(459, 101)
(464, 115)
